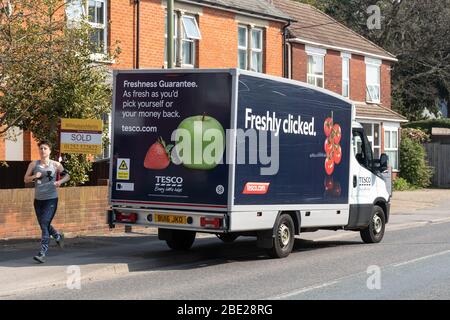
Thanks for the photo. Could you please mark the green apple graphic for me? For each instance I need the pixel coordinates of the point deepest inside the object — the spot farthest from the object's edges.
(200, 142)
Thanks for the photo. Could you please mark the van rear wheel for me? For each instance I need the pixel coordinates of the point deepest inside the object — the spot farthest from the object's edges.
(227, 237)
(181, 240)
(283, 242)
(375, 231)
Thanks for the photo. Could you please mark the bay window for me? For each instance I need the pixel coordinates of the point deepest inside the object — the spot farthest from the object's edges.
(391, 146)
(373, 134)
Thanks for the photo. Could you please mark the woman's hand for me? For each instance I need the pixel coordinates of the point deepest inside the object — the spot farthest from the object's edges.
(57, 184)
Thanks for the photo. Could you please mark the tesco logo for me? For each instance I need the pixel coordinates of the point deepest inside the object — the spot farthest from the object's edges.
(168, 179)
(256, 188)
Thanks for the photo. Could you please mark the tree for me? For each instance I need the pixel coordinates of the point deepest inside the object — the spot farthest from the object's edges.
(47, 73)
(416, 31)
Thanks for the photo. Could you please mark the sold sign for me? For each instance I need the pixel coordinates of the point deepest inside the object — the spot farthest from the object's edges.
(83, 136)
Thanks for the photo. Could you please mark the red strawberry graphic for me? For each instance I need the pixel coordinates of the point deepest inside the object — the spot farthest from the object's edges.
(158, 155)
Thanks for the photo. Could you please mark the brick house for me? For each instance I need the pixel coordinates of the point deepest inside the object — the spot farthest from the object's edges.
(248, 34)
(215, 34)
(325, 53)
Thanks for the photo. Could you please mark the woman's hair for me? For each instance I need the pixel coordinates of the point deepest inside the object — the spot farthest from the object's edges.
(45, 142)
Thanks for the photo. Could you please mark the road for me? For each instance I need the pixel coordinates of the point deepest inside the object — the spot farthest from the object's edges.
(414, 264)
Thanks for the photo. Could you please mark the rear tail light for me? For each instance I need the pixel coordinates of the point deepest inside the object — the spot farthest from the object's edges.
(215, 223)
(126, 217)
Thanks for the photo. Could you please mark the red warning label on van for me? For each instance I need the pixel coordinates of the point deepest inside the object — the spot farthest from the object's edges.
(256, 188)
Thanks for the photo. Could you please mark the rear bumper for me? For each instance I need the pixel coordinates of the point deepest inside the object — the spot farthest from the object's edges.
(181, 220)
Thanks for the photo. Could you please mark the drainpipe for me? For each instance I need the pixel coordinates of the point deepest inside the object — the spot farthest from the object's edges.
(170, 5)
(138, 5)
(285, 51)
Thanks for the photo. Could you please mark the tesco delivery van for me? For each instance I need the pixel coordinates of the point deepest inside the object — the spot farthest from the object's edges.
(232, 153)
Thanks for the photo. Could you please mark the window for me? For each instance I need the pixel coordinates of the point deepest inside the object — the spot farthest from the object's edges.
(252, 49)
(315, 70)
(257, 50)
(242, 47)
(391, 146)
(190, 32)
(346, 75)
(373, 80)
(97, 20)
(372, 131)
(94, 12)
(191, 28)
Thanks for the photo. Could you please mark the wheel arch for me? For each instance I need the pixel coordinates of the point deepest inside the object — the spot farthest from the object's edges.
(383, 204)
(296, 217)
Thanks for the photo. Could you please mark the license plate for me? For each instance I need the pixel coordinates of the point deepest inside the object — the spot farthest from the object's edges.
(172, 219)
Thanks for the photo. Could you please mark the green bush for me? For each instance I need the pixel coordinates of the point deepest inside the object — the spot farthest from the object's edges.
(413, 166)
(401, 184)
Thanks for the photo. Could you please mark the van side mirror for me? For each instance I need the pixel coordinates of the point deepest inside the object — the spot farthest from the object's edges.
(384, 159)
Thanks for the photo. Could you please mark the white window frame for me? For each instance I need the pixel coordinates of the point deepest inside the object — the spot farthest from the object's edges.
(388, 148)
(83, 14)
(184, 39)
(258, 51)
(243, 48)
(346, 58)
(185, 17)
(373, 63)
(249, 49)
(315, 53)
(100, 26)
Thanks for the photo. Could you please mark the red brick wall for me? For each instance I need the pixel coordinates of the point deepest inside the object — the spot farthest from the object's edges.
(386, 84)
(333, 74)
(218, 46)
(30, 147)
(274, 49)
(357, 78)
(216, 49)
(80, 211)
(333, 71)
(299, 62)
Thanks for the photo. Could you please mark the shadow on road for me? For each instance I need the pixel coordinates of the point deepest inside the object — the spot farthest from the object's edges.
(145, 253)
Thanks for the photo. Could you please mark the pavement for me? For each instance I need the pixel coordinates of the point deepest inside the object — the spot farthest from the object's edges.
(102, 260)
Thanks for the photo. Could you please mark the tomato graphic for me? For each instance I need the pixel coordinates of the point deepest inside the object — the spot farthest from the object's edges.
(329, 166)
(337, 154)
(327, 126)
(337, 190)
(336, 133)
(328, 183)
(328, 146)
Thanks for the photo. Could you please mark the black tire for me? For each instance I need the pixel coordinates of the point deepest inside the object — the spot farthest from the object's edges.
(284, 239)
(375, 231)
(181, 240)
(227, 237)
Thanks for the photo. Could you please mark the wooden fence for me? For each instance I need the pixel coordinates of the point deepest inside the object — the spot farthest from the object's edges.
(438, 155)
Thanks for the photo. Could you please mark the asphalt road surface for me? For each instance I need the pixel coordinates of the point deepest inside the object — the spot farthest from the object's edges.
(410, 263)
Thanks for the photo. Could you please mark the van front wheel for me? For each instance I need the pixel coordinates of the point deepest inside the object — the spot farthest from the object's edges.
(375, 230)
(283, 242)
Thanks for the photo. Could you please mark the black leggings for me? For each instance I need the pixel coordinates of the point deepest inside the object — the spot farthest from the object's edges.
(45, 211)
